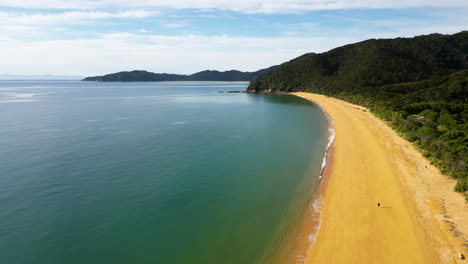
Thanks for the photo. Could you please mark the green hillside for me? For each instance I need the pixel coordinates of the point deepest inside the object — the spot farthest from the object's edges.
(369, 63)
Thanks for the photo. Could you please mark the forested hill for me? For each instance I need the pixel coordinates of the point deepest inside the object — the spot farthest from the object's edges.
(135, 76)
(145, 76)
(369, 63)
(418, 85)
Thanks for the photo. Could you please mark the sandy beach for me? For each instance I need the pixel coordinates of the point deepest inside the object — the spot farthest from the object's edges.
(420, 218)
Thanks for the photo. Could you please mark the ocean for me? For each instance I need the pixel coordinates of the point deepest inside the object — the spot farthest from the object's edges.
(169, 172)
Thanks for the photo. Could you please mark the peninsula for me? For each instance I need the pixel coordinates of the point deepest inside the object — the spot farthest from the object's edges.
(208, 75)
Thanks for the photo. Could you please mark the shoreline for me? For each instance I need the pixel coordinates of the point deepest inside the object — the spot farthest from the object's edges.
(324, 177)
(403, 231)
(311, 218)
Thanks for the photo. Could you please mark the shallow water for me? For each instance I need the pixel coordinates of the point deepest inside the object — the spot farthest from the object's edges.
(153, 172)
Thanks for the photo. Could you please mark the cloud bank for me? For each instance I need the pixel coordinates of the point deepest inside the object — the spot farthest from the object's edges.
(247, 6)
(158, 53)
(91, 37)
(21, 18)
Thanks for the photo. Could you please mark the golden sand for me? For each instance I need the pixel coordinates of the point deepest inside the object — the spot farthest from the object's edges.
(420, 219)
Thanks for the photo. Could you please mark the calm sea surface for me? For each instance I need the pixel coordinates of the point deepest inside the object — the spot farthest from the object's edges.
(153, 172)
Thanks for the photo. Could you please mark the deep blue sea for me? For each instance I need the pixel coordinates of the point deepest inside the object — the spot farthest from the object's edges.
(163, 173)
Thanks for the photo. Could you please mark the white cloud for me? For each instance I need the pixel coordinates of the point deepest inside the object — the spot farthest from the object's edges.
(159, 53)
(13, 31)
(26, 54)
(248, 6)
(13, 18)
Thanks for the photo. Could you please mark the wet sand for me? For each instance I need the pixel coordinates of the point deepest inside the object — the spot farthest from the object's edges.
(420, 218)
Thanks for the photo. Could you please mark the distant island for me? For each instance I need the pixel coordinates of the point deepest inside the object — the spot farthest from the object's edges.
(145, 76)
(419, 86)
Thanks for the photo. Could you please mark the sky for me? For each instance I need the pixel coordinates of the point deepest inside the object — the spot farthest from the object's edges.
(95, 37)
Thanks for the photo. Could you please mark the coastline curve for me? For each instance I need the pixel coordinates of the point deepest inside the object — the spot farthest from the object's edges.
(369, 168)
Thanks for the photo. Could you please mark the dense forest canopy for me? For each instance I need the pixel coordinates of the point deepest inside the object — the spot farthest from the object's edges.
(418, 85)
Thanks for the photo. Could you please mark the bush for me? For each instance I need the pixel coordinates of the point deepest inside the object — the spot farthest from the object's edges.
(462, 185)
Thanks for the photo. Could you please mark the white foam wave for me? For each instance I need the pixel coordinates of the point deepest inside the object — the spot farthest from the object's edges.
(331, 138)
(316, 208)
(179, 123)
(24, 95)
(10, 97)
(317, 204)
(18, 101)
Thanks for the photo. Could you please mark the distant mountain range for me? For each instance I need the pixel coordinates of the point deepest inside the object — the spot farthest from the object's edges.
(145, 76)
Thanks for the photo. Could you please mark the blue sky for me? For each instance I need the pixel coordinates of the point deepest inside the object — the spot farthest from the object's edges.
(82, 37)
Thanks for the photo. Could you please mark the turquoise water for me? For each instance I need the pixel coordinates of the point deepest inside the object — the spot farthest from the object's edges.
(153, 172)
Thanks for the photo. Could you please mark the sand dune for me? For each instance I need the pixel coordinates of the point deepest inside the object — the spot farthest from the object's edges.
(420, 219)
